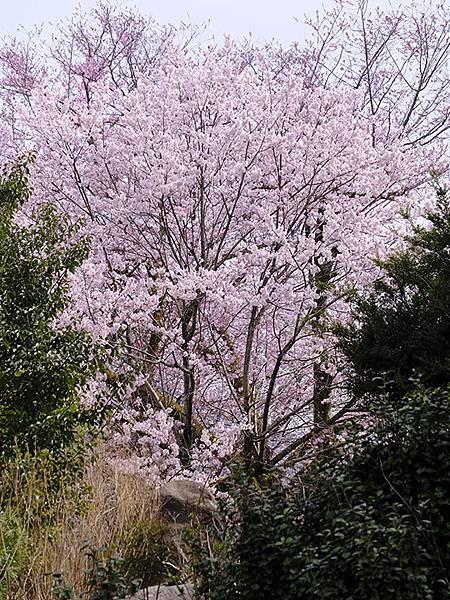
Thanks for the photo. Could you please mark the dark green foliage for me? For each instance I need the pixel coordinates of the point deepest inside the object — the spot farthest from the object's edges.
(378, 525)
(250, 555)
(368, 526)
(149, 553)
(403, 327)
(42, 367)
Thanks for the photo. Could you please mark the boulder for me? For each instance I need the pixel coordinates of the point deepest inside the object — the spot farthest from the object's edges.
(180, 498)
(166, 592)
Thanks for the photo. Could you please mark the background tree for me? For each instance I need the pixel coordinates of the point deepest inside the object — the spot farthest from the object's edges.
(43, 367)
(401, 330)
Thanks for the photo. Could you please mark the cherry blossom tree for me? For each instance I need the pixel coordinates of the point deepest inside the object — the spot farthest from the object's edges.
(233, 197)
(399, 59)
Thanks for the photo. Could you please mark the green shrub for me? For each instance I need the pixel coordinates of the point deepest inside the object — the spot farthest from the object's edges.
(149, 552)
(371, 524)
(245, 558)
(42, 368)
(401, 329)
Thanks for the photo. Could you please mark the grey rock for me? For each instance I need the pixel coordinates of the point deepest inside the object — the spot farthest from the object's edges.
(166, 592)
(181, 497)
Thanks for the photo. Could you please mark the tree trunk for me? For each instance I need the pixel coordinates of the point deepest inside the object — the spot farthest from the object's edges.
(321, 396)
(188, 325)
(322, 380)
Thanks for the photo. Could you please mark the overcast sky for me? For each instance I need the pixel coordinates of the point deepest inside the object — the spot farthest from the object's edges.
(266, 19)
(282, 20)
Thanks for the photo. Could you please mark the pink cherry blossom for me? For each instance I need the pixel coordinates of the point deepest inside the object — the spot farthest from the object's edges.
(233, 197)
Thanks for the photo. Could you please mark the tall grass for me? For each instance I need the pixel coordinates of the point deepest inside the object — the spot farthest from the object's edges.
(42, 534)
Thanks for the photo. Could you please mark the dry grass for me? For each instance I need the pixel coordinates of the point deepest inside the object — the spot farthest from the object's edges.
(115, 504)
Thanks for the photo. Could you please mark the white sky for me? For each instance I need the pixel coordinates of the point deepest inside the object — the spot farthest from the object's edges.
(282, 20)
(266, 19)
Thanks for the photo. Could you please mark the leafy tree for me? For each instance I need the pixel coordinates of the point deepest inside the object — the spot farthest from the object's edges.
(403, 327)
(43, 366)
